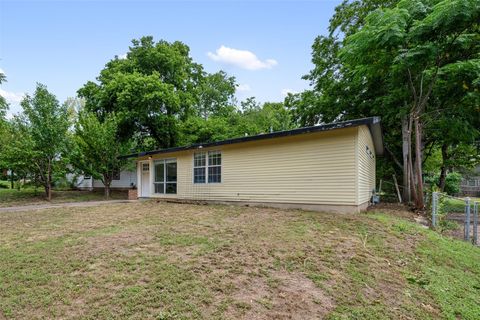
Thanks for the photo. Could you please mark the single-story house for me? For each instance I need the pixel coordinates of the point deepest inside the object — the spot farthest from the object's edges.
(327, 167)
(122, 180)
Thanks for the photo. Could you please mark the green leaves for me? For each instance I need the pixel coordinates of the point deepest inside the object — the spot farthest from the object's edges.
(156, 88)
(47, 122)
(447, 17)
(36, 141)
(397, 57)
(97, 147)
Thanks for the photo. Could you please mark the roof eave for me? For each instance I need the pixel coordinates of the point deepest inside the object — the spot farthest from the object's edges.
(377, 136)
(373, 123)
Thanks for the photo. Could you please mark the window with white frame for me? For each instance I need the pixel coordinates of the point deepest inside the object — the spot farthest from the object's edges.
(199, 167)
(214, 167)
(207, 167)
(165, 176)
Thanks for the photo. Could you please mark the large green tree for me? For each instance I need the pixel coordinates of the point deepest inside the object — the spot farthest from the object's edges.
(331, 93)
(17, 151)
(39, 138)
(214, 95)
(250, 119)
(97, 147)
(3, 125)
(390, 64)
(156, 88)
(453, 121)
(404, 49)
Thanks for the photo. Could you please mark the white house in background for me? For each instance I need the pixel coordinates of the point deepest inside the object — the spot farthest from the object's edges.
(125, 179)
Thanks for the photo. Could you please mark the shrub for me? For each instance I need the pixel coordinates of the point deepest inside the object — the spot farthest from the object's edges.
(452, 182)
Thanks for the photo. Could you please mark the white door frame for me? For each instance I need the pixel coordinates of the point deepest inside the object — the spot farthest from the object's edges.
(140, 178)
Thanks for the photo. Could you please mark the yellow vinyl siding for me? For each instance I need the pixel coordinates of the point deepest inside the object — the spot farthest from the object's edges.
(366, 164)
(313, 168)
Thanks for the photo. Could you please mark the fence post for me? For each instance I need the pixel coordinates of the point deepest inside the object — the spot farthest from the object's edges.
(434, 209)
(475, 223)
(467, 219)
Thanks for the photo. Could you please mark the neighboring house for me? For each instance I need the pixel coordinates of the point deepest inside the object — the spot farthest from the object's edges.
(327, 167)
(470, 185)
(125, 179)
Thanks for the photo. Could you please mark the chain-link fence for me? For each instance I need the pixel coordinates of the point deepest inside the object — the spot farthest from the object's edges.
(450, 213)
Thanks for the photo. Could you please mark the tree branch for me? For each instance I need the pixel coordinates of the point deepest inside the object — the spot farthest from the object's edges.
(394, 157)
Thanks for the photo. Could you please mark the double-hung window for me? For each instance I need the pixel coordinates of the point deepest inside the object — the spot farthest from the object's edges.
(199, 167)
(207, 167)
(165, 178)
(214, 167)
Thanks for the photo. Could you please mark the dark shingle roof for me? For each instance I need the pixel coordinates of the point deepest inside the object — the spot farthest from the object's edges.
(373, 124)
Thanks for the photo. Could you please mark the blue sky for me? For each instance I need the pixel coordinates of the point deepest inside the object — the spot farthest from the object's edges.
(266, 45)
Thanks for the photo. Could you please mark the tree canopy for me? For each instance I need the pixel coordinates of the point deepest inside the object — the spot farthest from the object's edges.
(97, 147)
(154, 89)
(410, 59)
(38, 138)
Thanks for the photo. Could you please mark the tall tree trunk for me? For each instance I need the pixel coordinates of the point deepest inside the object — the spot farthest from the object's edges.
(49, 185)
(107, 191)
(107, 180)
(413, 190)
(47, 181)
(418, 163)
(411, 178)
(443, 169)
(405, 151)
(11, 179)
(48, 192)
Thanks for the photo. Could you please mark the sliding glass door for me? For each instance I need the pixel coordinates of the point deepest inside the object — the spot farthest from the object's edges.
(165, 176)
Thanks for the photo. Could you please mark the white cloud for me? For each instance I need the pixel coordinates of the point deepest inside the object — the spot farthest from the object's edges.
(12, 97)
(1, 71)
(243, 88)
(122, 56)
(285, 92)
(241, 58)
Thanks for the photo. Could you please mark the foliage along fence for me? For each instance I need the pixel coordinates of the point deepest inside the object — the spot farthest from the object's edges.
(448, 211)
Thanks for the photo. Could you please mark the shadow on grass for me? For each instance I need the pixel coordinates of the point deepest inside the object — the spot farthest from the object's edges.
(30, 196)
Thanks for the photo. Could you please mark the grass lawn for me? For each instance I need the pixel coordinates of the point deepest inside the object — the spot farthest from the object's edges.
(4, 184)
(457, 205)
(27, 196)
(177, 261)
